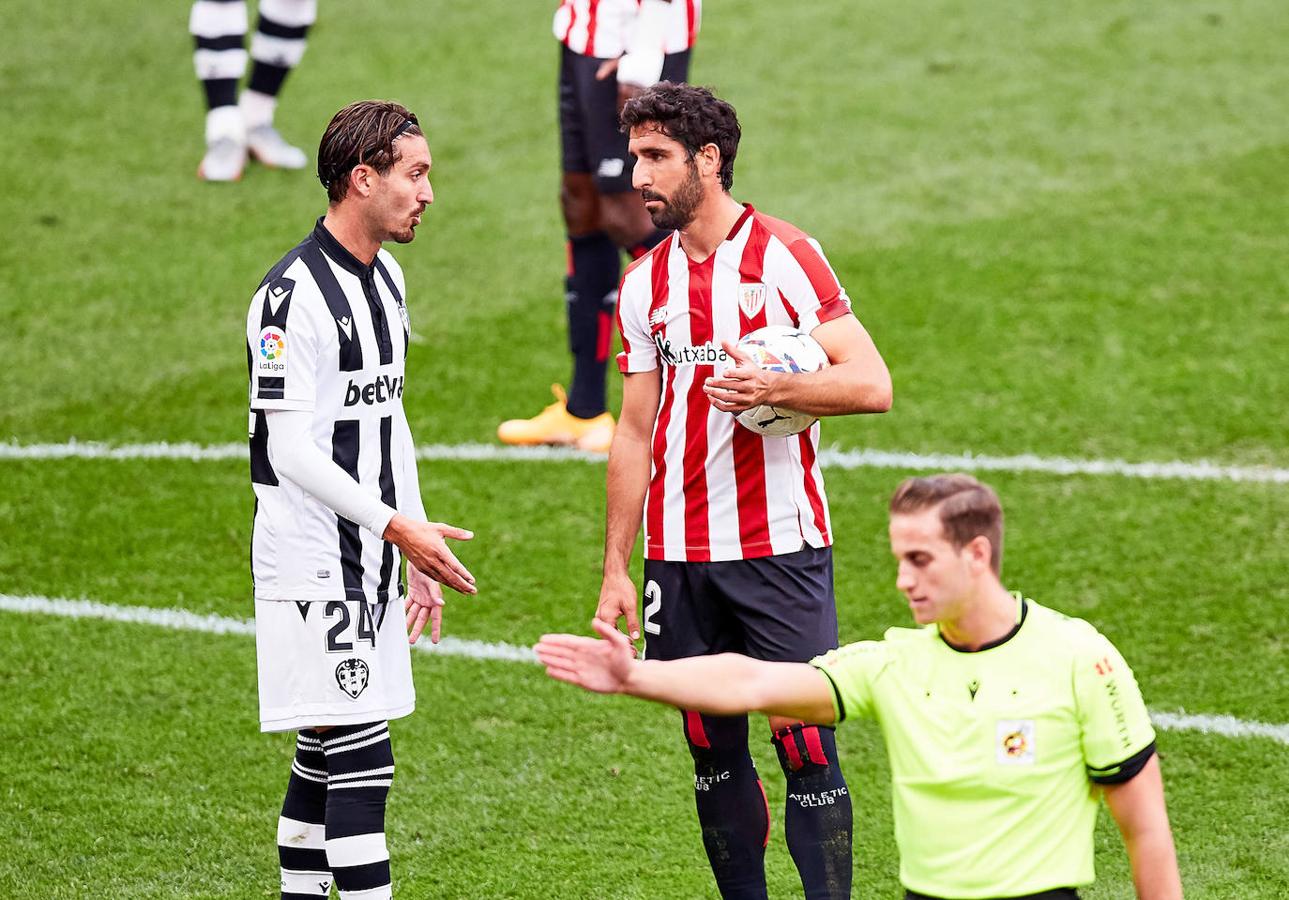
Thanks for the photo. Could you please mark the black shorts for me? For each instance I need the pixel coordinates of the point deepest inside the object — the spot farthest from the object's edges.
(777, 608)
(588, 119)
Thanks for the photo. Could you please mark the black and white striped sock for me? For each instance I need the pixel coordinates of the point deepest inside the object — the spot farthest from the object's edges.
(360, 770)
(218, 28)
(277, 47)
(301, 834)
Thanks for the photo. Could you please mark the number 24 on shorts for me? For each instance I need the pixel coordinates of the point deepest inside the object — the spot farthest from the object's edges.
(366, 629)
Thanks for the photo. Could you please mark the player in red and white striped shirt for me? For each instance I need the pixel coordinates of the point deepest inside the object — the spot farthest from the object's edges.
(737, 534)
(611, 50)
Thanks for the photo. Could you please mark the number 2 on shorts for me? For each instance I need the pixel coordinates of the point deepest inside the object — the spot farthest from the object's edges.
(653, 594)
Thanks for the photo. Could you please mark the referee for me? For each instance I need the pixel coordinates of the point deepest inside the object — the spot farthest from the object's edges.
(1001, 717)
(338, 504)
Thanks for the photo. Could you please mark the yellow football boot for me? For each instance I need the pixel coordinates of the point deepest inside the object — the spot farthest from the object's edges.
(555, 425)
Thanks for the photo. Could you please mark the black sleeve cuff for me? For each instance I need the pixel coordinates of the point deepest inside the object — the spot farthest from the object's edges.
(1124, 771)
(841, 704)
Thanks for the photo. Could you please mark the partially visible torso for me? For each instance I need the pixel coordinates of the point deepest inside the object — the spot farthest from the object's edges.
(719, 491)
(604, 28)
(989, 777)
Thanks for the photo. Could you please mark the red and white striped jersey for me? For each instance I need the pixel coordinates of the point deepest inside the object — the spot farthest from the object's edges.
(719, 491)
(606, 28)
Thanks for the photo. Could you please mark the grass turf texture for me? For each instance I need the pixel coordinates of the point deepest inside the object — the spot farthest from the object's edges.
(1063, 227)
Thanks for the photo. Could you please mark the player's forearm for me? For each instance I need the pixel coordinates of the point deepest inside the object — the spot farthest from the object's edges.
(1154, 865)
(296, 458)
(854, 386)
(627, 482)
(729, 684)
(721, 685)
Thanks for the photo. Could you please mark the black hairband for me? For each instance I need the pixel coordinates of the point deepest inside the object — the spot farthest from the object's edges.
(409, 123)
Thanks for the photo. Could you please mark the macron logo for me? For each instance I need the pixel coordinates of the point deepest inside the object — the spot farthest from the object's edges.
(346, 325)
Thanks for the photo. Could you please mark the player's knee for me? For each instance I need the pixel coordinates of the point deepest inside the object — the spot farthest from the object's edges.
(625, 219)
(711, 737)
(292, 13)
(580, 204)
(803, 748)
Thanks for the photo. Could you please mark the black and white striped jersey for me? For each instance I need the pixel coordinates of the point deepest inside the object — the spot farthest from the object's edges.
(327, 334)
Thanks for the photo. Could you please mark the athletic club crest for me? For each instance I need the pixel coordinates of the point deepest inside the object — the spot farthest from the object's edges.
(352, 676)
(751, 299)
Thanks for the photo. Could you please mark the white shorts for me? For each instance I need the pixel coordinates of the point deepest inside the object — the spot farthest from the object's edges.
(332, 662)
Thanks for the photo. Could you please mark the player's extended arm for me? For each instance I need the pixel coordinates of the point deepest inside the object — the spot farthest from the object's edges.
(627, 481)
(856, 382)
(295, 456)
(1138, 807)
(724, 685)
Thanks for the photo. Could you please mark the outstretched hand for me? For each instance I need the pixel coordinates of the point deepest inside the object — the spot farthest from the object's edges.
(425, 546)
(424, 603)
(601, 665)
(743, 386)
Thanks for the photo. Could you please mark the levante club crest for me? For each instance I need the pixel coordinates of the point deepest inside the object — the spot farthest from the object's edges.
(352, 675)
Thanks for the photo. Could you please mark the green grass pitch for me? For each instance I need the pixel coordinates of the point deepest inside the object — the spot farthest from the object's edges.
(1064, 226)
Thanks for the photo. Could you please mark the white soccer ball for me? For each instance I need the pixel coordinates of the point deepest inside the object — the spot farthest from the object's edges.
(781, 348)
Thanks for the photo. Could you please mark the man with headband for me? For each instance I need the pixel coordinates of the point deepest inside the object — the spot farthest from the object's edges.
(338, 504)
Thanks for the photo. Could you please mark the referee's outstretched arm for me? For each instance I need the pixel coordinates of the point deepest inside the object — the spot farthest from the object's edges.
(726, 684)
(1138, 807)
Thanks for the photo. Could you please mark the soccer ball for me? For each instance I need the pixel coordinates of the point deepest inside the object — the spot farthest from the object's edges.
(780, 348)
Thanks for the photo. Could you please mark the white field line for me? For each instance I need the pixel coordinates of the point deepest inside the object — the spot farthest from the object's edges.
(833, 458)
(182, 620)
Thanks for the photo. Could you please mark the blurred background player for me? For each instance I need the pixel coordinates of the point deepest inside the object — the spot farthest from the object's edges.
(737, 535)
(236, 127)
(1003, 720)
(611, 50)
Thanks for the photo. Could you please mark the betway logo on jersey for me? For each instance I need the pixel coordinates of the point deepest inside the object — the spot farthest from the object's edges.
(381, 390)
(707, 354)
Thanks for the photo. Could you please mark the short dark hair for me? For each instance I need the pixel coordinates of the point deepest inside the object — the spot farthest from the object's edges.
(968, 509)
(691, 115)
(362, 133)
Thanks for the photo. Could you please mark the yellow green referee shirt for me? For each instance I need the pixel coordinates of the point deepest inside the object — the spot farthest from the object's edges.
(995, 753)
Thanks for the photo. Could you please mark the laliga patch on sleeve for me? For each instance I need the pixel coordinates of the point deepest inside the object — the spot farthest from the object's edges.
(1014, 742)
(272, 351)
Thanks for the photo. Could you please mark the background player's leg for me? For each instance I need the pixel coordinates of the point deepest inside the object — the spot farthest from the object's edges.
(301, 839)
(817, 818)
(218, 28)
(590, 290)
(276, 48)
(731, 803)
(360, 770)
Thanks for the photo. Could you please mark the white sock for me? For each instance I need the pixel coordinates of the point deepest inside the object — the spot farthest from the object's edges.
(225, 122)
(257, 108)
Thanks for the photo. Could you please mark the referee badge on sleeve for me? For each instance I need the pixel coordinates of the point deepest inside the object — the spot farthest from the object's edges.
(1014, 742)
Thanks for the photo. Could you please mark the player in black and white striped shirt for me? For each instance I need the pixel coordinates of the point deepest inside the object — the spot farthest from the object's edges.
(338, 505)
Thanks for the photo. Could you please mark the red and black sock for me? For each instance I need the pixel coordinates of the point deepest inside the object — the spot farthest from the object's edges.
(817, 819)
(731, 804)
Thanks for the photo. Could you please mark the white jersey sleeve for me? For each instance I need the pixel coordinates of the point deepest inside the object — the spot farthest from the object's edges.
(284, 343)
(635, 297)
(807, 281)
(294, 456)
